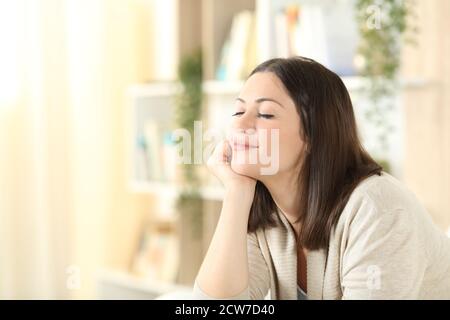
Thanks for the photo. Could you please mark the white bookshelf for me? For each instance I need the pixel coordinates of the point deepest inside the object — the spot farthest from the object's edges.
(161, 188)
(156, 101)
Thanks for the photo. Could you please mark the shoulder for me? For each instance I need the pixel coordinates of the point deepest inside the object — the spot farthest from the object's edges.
(381, 198)
(384, 192)
(384, 189)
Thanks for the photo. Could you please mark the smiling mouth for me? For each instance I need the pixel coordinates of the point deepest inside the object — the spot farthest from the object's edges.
(240, 146)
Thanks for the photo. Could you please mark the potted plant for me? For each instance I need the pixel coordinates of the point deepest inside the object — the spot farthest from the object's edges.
(382, 25)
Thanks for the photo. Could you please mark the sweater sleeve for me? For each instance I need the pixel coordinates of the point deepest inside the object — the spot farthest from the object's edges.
(383, 257)
(259, 278)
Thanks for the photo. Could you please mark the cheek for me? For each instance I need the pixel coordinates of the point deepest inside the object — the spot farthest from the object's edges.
(292, 149)
(288, 146)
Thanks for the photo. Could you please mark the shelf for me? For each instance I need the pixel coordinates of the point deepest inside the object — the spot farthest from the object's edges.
(217, 99)
(216, 87)
(117, 284)
(167, 189)
(357, 83)
(168, 89)
(155, 89)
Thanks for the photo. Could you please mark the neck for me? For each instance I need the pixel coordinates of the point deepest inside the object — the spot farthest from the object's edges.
(285, 191)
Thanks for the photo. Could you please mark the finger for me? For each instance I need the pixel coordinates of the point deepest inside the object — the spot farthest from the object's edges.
(217, 156)
(227, 151)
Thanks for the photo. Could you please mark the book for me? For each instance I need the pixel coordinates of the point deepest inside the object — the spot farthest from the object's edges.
(251, 53)
(311, 34)
(170, 157)
(292, 16)
(235, 51)
(142, 170)
(281, 35)
(153, 140)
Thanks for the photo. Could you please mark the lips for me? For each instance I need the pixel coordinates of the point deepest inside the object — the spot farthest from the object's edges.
(242, 144)
(239, 146)
(240, 141)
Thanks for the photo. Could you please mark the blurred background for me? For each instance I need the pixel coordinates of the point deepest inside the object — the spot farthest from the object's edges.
(94, 203)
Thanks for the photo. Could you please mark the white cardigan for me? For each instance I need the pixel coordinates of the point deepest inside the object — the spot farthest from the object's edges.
(385, 246)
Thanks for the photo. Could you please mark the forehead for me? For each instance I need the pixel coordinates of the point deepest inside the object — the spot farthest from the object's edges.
(264, 84)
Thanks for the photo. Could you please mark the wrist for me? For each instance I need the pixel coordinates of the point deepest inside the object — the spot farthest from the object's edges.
(241, 193)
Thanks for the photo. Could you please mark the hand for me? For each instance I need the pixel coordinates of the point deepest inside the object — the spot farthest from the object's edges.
(220, 165)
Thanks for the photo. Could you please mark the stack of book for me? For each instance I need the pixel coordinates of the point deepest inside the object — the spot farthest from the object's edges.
(326, 34)
(156, 153)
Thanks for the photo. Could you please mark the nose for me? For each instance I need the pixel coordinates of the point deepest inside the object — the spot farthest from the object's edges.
(244, 123)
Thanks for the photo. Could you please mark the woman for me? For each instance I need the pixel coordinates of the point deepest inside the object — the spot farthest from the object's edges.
(328, 223)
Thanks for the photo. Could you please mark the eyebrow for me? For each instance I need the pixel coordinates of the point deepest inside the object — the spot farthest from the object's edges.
(259, 100)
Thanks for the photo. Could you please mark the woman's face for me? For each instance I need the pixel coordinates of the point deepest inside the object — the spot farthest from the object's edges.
(265, 129)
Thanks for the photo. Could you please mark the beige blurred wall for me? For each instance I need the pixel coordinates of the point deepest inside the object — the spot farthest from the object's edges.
(64, 202)
(106, 216)
(427, 110)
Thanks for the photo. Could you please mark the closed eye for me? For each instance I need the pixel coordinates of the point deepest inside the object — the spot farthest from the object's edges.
(262, 115)
(265, 115)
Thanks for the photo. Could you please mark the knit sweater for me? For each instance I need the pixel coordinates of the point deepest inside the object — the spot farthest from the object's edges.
(384, 246)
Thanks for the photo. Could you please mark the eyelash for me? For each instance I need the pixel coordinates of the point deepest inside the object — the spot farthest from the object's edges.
(262, 115)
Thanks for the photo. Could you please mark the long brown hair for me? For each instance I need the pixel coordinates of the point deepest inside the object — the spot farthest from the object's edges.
(334, 161)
